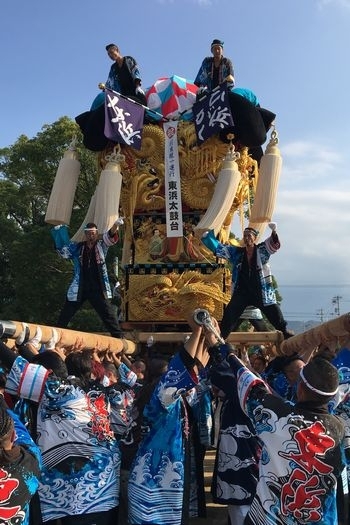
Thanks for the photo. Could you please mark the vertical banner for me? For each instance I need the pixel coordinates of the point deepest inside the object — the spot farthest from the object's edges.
(212, 114)
(123, 120)
(173, 203)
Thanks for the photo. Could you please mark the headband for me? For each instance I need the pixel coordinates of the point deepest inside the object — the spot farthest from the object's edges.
(316, 390)
(216, 42)
(251, 230)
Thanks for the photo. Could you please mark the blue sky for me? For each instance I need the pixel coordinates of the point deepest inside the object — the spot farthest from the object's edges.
(293, 54)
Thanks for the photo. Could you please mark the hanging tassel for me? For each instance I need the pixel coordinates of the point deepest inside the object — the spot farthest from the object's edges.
(108, 191)
(104, 204)
(267, 186)
(59, 208)
(224, 194)
(79, 236)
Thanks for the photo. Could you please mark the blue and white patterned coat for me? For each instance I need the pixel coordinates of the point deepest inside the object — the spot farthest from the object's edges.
(80, 451)
(234, 254)
(74, 251)
(301, 455)
(157, 476)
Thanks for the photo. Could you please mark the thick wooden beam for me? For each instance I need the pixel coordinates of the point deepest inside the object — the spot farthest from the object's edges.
(334, 332)
(234, 338)
(66, 337)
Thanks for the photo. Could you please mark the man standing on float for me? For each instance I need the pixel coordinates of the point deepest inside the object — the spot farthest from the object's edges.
(251, 278)
(90, 280)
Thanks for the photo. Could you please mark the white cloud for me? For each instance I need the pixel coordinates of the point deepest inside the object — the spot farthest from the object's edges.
(314, 226)
(297, 150)
(312, 213)
(307, 163)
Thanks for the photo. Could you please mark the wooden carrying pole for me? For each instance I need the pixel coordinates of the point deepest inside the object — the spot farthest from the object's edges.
(275, 337)
(334, 332)
(66, 337)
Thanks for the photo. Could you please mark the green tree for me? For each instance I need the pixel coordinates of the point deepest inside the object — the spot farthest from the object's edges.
(33, 278)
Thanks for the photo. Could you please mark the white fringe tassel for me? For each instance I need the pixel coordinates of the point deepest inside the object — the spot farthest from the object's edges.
(59, 208)
(108, 192)
(224, 194)
(267, 186)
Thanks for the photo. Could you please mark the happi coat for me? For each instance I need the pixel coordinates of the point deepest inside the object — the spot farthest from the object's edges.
(234, 254)
(205, 75)
(80, 451)
(20, 470)
(238, 450)
(158, 476)
(301, 456)
(116, 83)
(73, 251)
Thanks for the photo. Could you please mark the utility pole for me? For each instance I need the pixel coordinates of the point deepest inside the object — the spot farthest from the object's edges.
(335, 301)
(320, 314)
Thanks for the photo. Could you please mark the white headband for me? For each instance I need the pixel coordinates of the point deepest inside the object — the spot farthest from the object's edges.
(321, 392)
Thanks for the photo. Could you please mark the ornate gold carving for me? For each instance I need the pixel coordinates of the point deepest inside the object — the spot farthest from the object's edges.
(172, 297)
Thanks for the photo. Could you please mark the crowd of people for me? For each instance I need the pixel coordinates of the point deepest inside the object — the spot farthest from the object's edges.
(93, 437)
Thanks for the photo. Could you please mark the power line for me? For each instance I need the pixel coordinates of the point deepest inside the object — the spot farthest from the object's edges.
(300, 313)
(308, 317)
(313, 285)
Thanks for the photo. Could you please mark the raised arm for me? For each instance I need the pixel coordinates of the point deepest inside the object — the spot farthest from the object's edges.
(111, 236)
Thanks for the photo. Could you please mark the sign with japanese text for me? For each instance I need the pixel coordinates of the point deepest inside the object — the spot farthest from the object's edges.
(173, 202)
(123, 120)
(212, 114)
